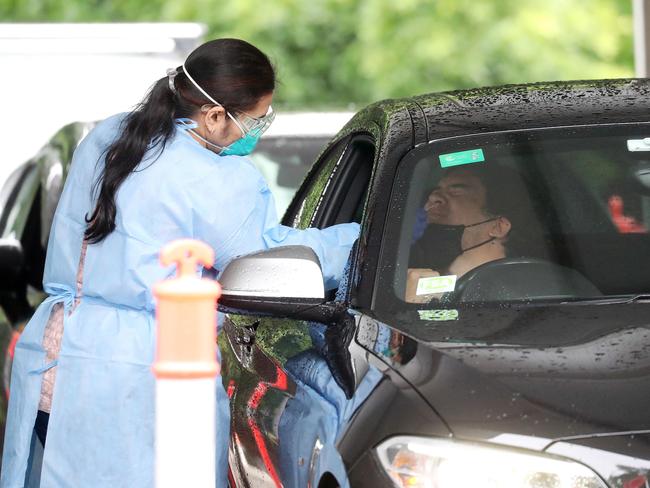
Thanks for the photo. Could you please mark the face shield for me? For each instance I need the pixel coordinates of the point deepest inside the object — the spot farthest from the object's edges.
(253, 126)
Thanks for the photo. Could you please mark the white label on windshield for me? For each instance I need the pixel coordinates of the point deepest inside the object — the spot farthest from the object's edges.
(636, 145)
(436, 284)
(438, 315)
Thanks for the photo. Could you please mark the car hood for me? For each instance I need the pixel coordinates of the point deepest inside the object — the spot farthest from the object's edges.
(527, 376)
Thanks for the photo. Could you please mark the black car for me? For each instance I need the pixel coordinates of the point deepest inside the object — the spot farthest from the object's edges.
(519, 356)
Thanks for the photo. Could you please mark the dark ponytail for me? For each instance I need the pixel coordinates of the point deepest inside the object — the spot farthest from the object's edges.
(233, 72)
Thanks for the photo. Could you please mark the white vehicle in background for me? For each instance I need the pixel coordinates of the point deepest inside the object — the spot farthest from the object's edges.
(78, 72)
(91, 71)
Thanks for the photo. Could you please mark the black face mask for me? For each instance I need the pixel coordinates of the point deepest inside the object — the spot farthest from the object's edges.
(440, 245)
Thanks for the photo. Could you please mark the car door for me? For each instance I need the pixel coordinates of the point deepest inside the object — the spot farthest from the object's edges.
(277, 371)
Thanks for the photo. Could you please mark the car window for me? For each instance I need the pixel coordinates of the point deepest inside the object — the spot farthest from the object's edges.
(20, 207)
(344, 198)
(9, 191)
(309, 197)
(284, 162)
(54, 160)
(549, 215)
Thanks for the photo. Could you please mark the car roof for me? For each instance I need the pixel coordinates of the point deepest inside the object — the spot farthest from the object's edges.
(524, 106)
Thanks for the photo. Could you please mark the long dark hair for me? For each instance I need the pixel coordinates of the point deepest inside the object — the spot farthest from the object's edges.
(232, 71)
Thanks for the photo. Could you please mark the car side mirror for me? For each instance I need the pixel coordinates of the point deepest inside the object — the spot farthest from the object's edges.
(284, 281)
(283, 272)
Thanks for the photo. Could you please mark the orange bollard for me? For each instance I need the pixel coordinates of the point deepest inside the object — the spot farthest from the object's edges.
(185, 369)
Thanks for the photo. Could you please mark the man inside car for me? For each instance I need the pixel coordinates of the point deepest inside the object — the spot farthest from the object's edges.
(474, 215)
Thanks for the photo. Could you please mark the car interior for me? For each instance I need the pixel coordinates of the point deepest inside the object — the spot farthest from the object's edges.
(590, 201)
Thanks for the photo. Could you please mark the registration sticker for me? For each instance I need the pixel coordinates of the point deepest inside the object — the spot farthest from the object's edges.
(436, 284)
(442, 315)
(462, 157)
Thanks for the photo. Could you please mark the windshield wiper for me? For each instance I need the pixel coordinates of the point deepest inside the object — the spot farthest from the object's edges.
(640, 298)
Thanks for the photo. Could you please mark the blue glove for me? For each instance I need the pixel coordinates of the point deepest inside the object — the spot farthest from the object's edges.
(420, 223)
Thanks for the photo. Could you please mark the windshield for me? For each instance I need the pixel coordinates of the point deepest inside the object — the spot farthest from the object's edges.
(550, 215)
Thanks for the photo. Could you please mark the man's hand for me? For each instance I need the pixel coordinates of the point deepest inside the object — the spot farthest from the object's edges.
(413, 277)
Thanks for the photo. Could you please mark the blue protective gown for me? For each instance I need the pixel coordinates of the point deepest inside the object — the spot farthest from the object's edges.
(101, 428)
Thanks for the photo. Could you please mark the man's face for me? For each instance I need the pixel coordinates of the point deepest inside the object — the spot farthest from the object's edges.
(458, 199)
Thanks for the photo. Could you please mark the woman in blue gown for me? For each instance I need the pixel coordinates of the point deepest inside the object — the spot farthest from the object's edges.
(175, 167)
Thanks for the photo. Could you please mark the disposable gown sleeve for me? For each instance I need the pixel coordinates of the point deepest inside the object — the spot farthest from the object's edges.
(246, 221)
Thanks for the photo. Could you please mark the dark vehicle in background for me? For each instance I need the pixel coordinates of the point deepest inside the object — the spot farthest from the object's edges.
(28, 200)
(526, 371)
(29, 196)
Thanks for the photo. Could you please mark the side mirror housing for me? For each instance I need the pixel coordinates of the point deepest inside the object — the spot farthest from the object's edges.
(288, 282)
(284, 281)
(289, 272)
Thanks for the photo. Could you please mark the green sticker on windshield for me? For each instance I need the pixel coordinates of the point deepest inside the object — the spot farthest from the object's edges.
(463, 157)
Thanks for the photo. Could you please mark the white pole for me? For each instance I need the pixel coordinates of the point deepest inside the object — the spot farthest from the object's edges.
(641, 12)
(185, 433)
(186, 368)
